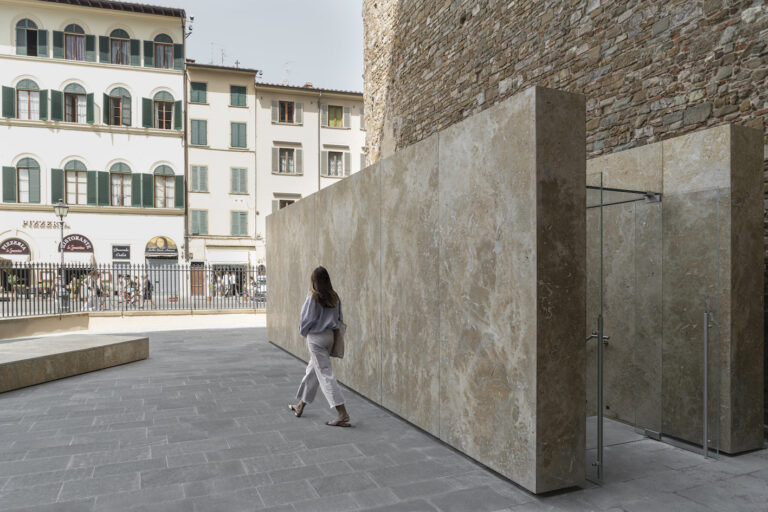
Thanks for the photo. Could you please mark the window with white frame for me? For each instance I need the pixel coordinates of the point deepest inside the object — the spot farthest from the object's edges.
(27, 100)
(76, 182)
(74, 42)
(164, 187)
(75, 110)
(120, 180)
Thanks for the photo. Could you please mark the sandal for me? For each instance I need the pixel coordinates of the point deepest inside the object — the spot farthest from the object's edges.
(339, 422)
(295, 410)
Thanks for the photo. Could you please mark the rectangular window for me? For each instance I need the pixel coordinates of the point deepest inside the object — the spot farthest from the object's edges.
(199, 222)
(286, 161)
(237, 95)
(282, 203)
(163, 114)
(28, 104)
(335, 166)
(199, 132)
(286, 112)
(164, 187)
(121, 189)
(199, 178)
(115, 111)
(74, 108)
(163, 55)
(335, 116)
(238, 135)
(74, 46)
(198, 92)
(239, 223)
(239, 180)
(22, 175)
(77, 185)
(120, 51)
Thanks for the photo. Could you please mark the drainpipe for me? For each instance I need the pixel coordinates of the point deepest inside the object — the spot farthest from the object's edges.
(319, 148)
(186, 147)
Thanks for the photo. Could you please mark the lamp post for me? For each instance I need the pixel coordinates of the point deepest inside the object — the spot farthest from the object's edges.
(61, 209)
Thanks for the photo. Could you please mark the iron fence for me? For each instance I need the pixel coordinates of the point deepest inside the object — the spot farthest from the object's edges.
(28, 289)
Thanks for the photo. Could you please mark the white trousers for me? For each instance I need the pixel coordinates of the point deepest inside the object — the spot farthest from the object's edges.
(319, 371)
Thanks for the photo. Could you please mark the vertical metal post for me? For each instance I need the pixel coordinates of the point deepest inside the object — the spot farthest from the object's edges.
(600, 398)
(705, 436)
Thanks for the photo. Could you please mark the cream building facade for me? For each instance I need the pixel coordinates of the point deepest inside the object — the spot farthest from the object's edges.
(221, 138)
(92, 113)
(307, 138)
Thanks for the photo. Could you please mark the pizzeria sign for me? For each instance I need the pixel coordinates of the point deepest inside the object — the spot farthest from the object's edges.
(14, 246)
(76, 243)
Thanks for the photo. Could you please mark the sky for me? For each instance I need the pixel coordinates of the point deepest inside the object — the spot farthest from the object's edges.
(291, 41)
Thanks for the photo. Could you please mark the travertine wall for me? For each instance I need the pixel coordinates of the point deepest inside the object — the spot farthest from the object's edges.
(662, 262)
(460, 264)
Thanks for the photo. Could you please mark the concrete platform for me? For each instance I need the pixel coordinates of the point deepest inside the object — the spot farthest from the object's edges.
(31, 361)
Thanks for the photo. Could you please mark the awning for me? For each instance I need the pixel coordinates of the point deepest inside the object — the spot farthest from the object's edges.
(227, 256)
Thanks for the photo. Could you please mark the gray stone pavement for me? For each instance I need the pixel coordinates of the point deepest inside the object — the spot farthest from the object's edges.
(202, 426)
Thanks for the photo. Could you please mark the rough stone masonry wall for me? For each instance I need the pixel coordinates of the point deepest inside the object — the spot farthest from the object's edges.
(650, 69)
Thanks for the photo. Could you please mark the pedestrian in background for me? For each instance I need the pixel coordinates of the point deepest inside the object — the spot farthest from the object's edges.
(146, 291)
(320, 316)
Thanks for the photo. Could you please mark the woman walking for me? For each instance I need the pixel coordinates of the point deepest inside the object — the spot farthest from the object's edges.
(320, 316)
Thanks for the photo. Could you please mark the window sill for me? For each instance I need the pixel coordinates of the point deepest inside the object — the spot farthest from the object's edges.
(199, 191)
(238, 106)
(332, 177)
(102, 64)
(239, 193)
(64, 125)
(283, 123)
(288, 174)
(200, 146)
(81, 208)
(337, 127)
(198, 103)
(233, 148)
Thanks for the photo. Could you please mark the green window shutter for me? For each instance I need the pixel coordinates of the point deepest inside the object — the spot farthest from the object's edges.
(57, 185)
(136, 189)
(103, 49)
(194, 128)
(243, 181)
(178, 56)
(275, 160)
(324, 163)
(203, 179)
(198, 92)
(58, 44)
(34, 186)
(194, 179)
(9, 184)
(149, 54)
(275, 111)
(243, 224)
(203, 222)
(298, 112)
(57, 106)
(347, 163)
(178, 192)
(42, 43)
(237, 95)
(324, 115)
(233, 182)
(234, 221)
(21, 41)
(91, 187)
(237, 135)
(135, 52)
(105, 108)
(103, 188)
(299, 161)
(9, 102)
(126, 111)
(44, 105)
(204, 132)
(146, 112)
(233, 135)
(89, 108)
(147, 190)
(194, 222)
(177, 115)
(90, 48)
(346, 118)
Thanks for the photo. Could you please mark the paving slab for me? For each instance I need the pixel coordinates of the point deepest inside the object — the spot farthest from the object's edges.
(203, 426)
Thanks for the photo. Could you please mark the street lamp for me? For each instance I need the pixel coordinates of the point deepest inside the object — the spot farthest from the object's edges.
(61, 209)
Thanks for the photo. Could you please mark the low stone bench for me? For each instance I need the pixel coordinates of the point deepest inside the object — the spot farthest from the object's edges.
(33, 361)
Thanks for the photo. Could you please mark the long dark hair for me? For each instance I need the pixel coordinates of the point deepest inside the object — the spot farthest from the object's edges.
(321, 288)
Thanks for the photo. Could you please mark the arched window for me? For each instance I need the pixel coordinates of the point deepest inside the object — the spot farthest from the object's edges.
(163, 51)
(30, 41)
(74, 42)
(75, 104)
(76, 182)
(28, 181)
(164, 186)
(27, 100)
(163, 110)
(120, 179)
(117, 107)
(119, 47)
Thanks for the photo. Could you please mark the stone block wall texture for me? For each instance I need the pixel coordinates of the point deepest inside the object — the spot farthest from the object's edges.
(662, 262)
(650, 69)
(461, 270)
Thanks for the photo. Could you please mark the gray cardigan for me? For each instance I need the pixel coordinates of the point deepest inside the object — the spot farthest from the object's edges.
(316, 318)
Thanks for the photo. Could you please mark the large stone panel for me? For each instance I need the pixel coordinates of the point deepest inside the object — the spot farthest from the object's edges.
(410, 297)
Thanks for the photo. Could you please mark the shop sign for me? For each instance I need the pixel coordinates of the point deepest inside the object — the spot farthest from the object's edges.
(161, 246)
(76, 243)
(14, 246)
(43, 224)
(121, 252)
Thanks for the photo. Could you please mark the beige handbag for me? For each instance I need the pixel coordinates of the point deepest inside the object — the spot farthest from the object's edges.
(337, 349)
